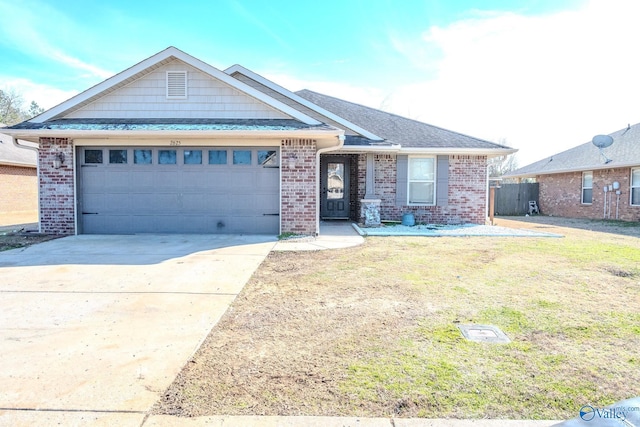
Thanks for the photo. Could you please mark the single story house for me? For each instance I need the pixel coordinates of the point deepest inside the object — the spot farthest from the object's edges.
(173, 144)
(18, 179)
(591, 182)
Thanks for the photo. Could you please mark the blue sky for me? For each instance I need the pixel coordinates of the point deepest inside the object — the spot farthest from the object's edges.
(540, 75)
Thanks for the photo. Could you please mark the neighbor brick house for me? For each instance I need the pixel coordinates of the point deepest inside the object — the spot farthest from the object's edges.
(173, 144)
(572, 183)
(18, 179)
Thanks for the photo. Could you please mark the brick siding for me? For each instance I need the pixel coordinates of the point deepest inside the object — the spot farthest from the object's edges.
(561, 195)
(18, 189)
(298, 187)
(56, 187)
(466, 197)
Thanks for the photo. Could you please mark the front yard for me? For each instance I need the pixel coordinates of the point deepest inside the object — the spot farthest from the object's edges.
(371, 331)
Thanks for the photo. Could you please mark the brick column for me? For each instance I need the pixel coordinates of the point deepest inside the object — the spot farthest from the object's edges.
(56, 187)
(298, 187)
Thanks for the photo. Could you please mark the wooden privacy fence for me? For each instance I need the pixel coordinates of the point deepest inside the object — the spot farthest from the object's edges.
(513, 199)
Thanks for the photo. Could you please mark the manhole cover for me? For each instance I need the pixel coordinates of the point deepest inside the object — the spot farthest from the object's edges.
(483, 333)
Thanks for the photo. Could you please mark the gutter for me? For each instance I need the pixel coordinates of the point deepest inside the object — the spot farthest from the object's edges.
(397, 148)
(341, 139)
(15, 142)
(576, 169)
(33, 135)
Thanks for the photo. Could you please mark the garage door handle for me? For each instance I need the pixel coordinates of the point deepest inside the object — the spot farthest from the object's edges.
(276, 214)
(89, 213)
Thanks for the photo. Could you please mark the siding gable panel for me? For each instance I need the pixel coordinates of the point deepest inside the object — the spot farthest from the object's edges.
(206, 98)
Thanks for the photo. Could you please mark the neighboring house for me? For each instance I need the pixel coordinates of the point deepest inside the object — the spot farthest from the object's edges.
(572, 183)
(173, 144)
(18, 178)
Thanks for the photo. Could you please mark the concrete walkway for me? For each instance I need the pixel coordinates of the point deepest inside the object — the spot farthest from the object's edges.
(333, 235)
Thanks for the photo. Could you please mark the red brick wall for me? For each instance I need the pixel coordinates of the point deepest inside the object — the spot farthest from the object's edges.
(18, 189)
(466, 198)
(56, 187)
(298, 187)
(561, 195)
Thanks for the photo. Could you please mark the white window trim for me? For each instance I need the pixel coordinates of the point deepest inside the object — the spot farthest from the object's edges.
(632, 187)
(586, 188)
(409, 180)
(186, 86)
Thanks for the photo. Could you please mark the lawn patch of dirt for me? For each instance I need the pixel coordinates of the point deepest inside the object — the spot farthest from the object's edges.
(371, 330)
(21, 239)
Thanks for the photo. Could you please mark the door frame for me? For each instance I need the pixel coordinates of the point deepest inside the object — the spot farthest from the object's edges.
(346, 160)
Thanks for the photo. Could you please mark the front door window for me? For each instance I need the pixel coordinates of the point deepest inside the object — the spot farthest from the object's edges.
(335, 180)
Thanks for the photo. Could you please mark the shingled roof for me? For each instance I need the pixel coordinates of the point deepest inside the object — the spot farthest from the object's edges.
(15, 156)
(396, 129)
(624, 152)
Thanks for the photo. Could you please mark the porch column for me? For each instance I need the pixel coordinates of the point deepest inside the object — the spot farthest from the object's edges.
(370, 205)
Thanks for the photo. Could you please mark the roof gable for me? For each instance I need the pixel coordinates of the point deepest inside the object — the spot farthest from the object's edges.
(292, 99)
(95, 102)
(624, 152)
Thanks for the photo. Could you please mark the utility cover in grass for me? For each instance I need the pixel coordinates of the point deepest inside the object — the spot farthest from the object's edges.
(484, 333)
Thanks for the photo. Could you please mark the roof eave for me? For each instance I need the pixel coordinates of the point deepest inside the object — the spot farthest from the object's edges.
(576, 169)
(34, 135)
(397, 148)
(18, 164)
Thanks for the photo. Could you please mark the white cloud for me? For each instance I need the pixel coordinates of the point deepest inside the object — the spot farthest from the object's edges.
(544, 83)
(33, 28)
(46, 96)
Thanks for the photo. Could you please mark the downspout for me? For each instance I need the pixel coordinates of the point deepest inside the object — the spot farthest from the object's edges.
(26, 147)
(318, 198)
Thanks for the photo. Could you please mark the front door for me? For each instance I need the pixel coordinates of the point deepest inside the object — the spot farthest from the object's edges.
(335, 188)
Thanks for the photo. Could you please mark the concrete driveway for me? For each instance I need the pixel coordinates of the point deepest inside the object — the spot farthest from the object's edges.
(94, 328)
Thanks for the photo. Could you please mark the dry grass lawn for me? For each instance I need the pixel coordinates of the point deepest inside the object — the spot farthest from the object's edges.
(371, 331)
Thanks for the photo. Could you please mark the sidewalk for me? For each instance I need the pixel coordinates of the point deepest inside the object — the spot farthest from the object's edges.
(244, 421)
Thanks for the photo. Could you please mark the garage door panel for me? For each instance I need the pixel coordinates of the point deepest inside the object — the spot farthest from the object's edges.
(118, 180)
(179, 198)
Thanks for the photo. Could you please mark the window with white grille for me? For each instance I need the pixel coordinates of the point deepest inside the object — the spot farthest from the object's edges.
(176, 84)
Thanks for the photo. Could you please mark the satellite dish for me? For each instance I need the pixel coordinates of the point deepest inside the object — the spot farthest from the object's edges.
(602, 141)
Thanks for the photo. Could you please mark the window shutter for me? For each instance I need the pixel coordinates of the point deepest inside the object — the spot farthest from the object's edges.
(442, 181)
(402, 176)
(176, 84)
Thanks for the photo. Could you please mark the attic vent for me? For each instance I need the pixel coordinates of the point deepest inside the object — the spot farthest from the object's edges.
(176, 84)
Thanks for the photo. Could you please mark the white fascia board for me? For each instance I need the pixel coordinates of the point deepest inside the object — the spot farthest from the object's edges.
(285, 92)
(34, 135)
(491, 152)
(194, 62)
(426, 151)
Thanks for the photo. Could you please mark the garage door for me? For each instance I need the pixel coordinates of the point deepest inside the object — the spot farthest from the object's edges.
(178, 190)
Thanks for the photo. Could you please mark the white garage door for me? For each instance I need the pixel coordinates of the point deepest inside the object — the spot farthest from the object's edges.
(178, 190)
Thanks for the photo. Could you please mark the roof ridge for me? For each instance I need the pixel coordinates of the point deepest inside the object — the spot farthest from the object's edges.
(405, 118)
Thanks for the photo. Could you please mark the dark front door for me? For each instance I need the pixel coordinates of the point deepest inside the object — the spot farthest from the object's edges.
(335, 188)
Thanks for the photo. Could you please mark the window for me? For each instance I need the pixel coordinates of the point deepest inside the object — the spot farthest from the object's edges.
(268, 158)
(241, 157)
(167, 157)
(587, 188)
(422, 181)
(635, 187)
(192, 157)
(117, 156)
(142, 157)
(93, 156)
(217, 157)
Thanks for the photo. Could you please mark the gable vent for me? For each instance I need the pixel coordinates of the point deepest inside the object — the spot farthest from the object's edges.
(176, 84)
